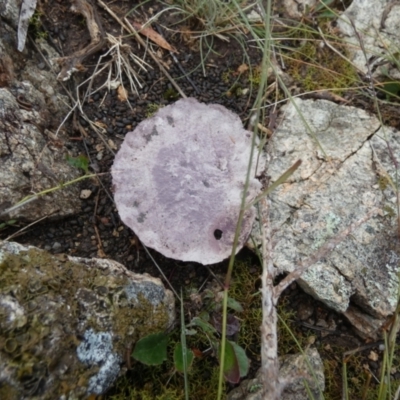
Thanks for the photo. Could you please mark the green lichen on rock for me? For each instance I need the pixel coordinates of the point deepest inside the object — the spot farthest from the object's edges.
(47, 306)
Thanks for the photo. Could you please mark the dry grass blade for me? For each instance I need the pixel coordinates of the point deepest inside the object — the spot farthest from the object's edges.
(129, 28)
(155, 37)
(119, 65)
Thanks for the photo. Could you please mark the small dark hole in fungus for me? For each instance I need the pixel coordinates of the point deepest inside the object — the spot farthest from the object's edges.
(218, 234)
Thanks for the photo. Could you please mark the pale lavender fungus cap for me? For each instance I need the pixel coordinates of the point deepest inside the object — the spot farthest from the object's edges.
(178, 181)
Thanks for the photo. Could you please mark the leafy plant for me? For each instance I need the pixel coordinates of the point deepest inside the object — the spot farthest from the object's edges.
(183, 357)
(152, 349)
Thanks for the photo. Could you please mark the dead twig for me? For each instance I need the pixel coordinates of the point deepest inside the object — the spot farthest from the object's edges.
(73, 62)
(100, 249)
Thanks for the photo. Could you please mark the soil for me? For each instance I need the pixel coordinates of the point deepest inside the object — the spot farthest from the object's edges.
(97, 230)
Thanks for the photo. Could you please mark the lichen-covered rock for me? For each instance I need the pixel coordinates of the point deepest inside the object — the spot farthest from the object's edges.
(346, 171)
(66, 323)
(179, 180)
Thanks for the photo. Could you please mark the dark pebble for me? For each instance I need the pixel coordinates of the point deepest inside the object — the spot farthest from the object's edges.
(374, 365)
(96, 96)
(83, 122)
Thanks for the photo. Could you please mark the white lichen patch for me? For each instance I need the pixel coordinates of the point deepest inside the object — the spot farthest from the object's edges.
(97, 349)
(13, 314)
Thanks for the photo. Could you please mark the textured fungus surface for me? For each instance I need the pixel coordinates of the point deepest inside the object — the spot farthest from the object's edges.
(179, 178)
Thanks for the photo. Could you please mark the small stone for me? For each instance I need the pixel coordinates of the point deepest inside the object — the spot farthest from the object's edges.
(56, 246)
(85, 194)
(373, 356)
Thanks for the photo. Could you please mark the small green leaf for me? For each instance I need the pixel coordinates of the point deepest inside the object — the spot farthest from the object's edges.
(81, 162)
(7, 223)
(326, 14)
(323, 5)
(391, 89)
(234, 305)
(205, 326)
(179, 357)
(205, 316)
(231, 364)
(242, 359)
(152, 349)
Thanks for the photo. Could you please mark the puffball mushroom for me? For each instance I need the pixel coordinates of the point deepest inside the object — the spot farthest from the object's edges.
(178, 181)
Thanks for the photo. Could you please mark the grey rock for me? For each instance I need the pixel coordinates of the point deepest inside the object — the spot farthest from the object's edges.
(296, 9)
(377, 24)
(32, 156)
(344, 160)
(30, 163)
(9, 11)
(66, 323)
(365, 325)
(293, 369)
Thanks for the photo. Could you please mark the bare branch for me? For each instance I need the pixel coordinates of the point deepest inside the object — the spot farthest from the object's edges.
(272, 388)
